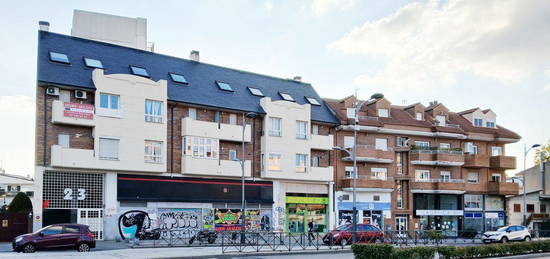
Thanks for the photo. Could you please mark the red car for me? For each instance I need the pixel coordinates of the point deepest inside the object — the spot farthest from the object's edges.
(342, 235)
(56, 236)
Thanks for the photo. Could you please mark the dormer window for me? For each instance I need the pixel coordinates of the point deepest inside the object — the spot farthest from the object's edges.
(441, 120)
(478, 122)
(490, 124)
(59, 57)
(383, 113)
(286, 97)
(419, 116)
(139, 71)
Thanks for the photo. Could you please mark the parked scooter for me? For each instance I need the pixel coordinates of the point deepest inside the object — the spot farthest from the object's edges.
(147, 234)
(204, 236)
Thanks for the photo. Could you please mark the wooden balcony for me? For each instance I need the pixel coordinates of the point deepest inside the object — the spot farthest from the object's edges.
(437, 157)
(476, 161)
(503, 162)
(438, 184)
(368, 183)
(502, 188)
(368, 153)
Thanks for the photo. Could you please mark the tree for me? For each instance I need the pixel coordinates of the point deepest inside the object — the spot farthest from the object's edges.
(546, 149)
(20, 203)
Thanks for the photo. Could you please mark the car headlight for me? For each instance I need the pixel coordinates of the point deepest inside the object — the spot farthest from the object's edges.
(18, 239)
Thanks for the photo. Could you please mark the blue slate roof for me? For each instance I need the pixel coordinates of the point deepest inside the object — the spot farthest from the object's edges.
(201, 90)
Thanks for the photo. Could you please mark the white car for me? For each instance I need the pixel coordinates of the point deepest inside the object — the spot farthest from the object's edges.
(505, 234)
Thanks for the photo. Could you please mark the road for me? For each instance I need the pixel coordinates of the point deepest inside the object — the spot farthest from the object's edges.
(299, 256)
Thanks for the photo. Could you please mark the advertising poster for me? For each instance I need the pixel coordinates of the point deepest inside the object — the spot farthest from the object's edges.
(227, 219)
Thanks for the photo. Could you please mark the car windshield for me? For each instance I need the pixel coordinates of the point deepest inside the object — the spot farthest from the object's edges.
(40, 230)
(502, 229)
(343, 227)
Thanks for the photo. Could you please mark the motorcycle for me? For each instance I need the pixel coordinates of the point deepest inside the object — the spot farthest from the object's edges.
(204, 235)
(147, 234)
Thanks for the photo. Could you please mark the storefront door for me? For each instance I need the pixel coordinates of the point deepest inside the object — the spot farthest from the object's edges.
(94, 219)
(401, 225)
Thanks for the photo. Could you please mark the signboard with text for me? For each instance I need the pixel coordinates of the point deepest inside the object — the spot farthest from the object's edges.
(78, 110)
(439, 212)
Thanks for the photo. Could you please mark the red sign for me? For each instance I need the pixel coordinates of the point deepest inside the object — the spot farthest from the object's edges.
(78, 110)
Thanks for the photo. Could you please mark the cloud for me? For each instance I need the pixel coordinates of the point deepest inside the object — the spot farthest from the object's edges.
(268, 5)
(321, 7)
(547, 88)
(427, 45)
(17, 103)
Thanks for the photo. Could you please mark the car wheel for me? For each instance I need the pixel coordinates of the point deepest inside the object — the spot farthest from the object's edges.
(29, 248)
(344, 242)
(527, 238)
(83, 247)
(504, 240)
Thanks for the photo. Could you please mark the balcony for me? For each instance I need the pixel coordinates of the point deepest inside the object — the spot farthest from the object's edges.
(502, 188)
(207, 129)
(288, 171)
(438, 185)
(214, 167)
(322, 173)
(72, 157)
(503, 162)
(321, 142)
(368, 182)
(73, 113)
(476, 160)
(437, 157)
(371, 154)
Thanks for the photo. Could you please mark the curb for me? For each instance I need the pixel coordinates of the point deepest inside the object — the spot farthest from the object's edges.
(266, 253)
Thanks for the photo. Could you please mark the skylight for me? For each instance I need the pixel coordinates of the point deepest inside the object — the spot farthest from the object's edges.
(287, 97)
(94, 63)
(59, 57)
(178, 78)
(256, 91)
(139, 71)
(224, 86)
(313, 101)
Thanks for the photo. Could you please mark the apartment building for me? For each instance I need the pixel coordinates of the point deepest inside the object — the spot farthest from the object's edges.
(422, 167)
(11, 185)
(126, 134)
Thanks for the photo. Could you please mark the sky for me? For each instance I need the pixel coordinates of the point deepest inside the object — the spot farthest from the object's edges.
(465, 54)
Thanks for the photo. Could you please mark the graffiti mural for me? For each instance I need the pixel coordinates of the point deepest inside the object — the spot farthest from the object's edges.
(189, 220)
(208, 218)
(134, 224)
(227, 219)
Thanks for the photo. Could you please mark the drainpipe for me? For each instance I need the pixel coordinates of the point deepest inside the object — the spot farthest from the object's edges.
(171, 140)
(45, 128)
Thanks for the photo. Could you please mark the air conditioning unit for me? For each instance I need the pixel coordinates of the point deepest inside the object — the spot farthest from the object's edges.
(79, 94)
(52, 91)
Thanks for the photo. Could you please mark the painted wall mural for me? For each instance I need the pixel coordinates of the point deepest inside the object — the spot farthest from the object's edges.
(132, 223)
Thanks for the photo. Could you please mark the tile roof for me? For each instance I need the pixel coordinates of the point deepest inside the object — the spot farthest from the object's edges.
(202, 77)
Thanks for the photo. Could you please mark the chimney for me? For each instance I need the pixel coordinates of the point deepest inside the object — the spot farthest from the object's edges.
(297, 78)
(44, 25)
(433, 103)
(194, 55)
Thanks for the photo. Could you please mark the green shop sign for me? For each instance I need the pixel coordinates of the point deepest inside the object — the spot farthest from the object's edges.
(307, 200)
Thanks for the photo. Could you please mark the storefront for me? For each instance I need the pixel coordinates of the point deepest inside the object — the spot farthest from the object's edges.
(372, 208)
(300, 210)
(439, 212)
(483, 212)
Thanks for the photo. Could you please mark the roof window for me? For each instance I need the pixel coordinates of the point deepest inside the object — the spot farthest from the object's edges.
(93, 63)
(313, 101)
(255, 91)
(224, 86)
(139, 71)
(178, 78)
(59, 57)
(286, 97)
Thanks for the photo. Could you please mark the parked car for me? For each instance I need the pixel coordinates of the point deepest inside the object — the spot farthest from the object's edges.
(56, 236)
(342, 235)
(505, 234)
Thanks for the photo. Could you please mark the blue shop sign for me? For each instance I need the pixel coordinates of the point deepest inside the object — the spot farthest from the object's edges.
(364, 205)
(473, 215)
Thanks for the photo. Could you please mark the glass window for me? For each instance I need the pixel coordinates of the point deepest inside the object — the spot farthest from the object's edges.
(496, 178)
(178, 78)
(201, 147)
(108, 148)
(233, 119)
(473, 202)
(543, 208)
(193, 113)
(496, 151)
(448, 202)
(399, 162)
(108, 101)
(490, 124)
(400, 141)
(286, 97)
(94, 63)
(379, 173)
(59, 57)
(139, 71)
(445, 176)
(478, 122)
(441, 120)
(217, 116)
(301, 129)
(470, 148)
(419, 116)
(233, 155)
(473, 177)
(399, 188)
(422, 144)
(275, 127)
(348, 141)
(349, 172)
(422, 175)
(444, 146)
(71, 229)
(315, 129)
(301, 163)
(274, 162)
(153, 151)
(314, 161)
(383, 113)
(224, 86)
(153, 111)
(63, 140)
(493, 202)
(65, 96)
(351, 113)
(530, 208)
(53, 230)
(313, 101)
(256, 91)
(382, 144)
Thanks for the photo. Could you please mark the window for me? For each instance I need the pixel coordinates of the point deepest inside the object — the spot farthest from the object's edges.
(383, 113)
(400, 141)
(348, 141)
(314, 161)
(224, 86)
(441, 120)
(109, 101)
(517, 207)
(473, 177)
(470, 148)
(233, 119)
(445, 176)
(490, 124)
(376, 197)
(351, 113)
(530, 208)
(399, 162)
(108, 148)
(382, 144)
(345, 197)
(315, 129)
(275, 127)
(379, 173)
(201, 147)
(193, 113)
(64, 96)
(153, 111)
(255, 91)
(93, 63)
(63, 140)
(496, 178)
(301, 163)
(274, 162)
(71, 229)
(349, 172)
(399, 200)
(444, 146)
(217, 116)
(313, 101)
(178, 78)
(496, 151)
(53, 230)
(543, 208)
(419, 116)
(473, 202)
(422, 175)
(233, 155)
(153, 151)
(286, 97)
(478, 122)
(59, 57)
(139, 71)
(422, 144)
(301, 129)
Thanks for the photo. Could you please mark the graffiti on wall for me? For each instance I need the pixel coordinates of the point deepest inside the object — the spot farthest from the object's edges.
(180, 219)
(227, 219)
(133, 223)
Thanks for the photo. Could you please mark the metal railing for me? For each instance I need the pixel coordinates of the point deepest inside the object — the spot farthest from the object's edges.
(438, 180)
(437, 151)
(372, 147)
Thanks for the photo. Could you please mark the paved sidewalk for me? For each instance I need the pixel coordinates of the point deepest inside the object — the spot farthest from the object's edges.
(100, 246)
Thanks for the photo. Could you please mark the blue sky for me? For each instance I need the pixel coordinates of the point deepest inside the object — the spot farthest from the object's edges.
(489, 54)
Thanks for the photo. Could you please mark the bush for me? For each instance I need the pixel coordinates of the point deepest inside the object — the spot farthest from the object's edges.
(435, 236)
(419, 252)
(362, 251)
(20, 203)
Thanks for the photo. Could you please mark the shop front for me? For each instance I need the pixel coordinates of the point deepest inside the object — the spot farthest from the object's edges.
(441, 212)
(373, 213)
(301, 210)
(483, 213)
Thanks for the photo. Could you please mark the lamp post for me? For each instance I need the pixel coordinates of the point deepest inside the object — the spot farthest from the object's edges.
(525, 151)
(250, 115)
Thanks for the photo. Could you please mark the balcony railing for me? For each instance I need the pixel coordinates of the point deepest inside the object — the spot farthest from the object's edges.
(502, 188)
(503, 162)
(367, 182)
(214, 167)
(372, 154)
(421, 155)
(476, 160)
(368, 118)
(438, 184)
(321, 142)
(439, 180)
(73, 113)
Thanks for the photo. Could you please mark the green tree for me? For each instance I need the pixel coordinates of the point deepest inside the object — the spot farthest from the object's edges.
(546, 149)
(20, 203)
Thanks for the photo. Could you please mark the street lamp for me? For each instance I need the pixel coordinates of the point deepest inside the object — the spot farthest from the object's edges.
(525, 151)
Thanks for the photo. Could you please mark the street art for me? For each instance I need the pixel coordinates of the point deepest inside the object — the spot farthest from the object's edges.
(227, 219)
(265, 220)
(208, 218)
(132, 223)
(188, 220)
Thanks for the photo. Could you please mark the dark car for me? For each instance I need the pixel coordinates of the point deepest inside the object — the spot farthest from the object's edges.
(56, 236)
(342, 235)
